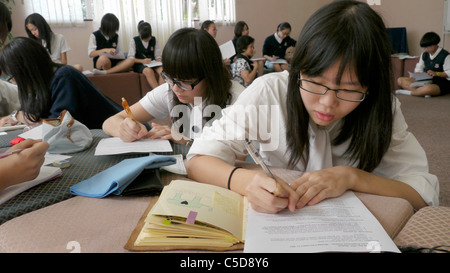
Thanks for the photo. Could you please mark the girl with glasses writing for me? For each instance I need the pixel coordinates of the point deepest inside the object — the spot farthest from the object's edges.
(194, 73)
(337, 121)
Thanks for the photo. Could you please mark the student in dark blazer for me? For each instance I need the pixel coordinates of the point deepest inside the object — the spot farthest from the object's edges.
(276, 46)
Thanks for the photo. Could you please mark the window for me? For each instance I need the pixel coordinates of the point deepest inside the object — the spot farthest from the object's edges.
(219, 11)
(58, 13)
(88, 9)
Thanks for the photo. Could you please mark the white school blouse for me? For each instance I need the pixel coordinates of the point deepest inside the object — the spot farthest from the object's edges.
(159, 104)
(59, 46)
(405, 160)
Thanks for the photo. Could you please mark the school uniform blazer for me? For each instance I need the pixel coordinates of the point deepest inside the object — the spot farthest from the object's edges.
(263, 105)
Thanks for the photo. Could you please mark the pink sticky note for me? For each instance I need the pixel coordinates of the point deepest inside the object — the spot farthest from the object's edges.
(191, 218)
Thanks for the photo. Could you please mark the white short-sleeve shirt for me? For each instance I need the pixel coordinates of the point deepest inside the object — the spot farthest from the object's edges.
(260, 114)
(159, 103)
(59, 46)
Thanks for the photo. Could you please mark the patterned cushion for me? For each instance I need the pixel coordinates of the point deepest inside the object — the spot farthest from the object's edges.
(428, 228)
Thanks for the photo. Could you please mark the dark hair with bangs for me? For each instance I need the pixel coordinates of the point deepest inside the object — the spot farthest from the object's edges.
(354, 34)
(194, 54)
(45, 31)
(145, 30)
(430, 39)
(109, 25)
(28, 62)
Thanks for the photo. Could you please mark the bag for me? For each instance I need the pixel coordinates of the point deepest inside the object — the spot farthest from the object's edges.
(65, 135)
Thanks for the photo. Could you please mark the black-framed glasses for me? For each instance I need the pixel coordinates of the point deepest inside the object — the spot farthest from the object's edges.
(343, 94)
(184, 85)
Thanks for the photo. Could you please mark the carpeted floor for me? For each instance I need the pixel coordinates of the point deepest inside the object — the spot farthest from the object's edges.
(429, 121)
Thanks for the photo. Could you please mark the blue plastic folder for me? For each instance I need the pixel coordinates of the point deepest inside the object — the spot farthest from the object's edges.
(115, 179)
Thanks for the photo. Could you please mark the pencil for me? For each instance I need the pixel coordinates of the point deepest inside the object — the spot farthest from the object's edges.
(279, 191)
(127, 109)
(4, 155)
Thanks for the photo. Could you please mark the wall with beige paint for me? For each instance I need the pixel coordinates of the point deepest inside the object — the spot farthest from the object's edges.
(263, 16)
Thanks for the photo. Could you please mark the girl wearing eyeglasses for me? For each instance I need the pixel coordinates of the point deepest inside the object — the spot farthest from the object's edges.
(337, 121)
(194, 73)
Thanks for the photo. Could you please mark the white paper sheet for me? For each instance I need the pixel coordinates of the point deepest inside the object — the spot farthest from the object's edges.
(227, 50)
(154, 64)
(35, 133)
(114, 146)
(342, 224)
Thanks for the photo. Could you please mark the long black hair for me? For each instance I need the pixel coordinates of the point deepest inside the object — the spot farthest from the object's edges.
(354, 34)
(45, 31)
(194, 54)
(28, 62)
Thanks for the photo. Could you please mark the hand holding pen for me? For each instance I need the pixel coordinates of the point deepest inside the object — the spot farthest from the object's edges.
(279, 190)
(130, 129)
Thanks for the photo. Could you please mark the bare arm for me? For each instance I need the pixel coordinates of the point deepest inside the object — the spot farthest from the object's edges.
(255, 185)
(128, 130)
(316, 186)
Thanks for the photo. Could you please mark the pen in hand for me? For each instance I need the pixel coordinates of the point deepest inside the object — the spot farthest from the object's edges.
(127, 109)
(5, 155)
(279, 191)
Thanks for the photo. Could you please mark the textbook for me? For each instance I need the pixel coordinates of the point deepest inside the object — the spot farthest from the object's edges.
(195, 216)
(191, 215)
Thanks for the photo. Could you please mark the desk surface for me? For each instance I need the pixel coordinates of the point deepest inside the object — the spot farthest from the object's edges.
(83, 166)
(59, 219)
(105, 225)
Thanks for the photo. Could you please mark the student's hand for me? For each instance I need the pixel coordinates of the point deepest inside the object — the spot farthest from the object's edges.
(314, 187)
(255, 66)
(260, 195)
(131, 130)
(166, 133)
(274, 58)
(7, 120)
(227, 62)
(111, 51)
(26, 165)
(431, 73)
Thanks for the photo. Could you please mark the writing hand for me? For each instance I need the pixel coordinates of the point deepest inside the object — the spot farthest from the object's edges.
(131, 130)
(260, 195)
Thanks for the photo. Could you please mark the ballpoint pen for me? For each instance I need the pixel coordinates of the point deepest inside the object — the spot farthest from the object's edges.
(279, 191)
(127, 109)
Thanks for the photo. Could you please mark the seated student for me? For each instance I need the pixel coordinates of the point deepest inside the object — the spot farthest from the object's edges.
(337, 121)
(436, 62)
(23, 166)
(241, 29)
(9, 97)
(104, 45)
(276, 46)
(194, 73)
(210, 27)
(46, 88)
(144, 49)
(38, 29)
(244, 69)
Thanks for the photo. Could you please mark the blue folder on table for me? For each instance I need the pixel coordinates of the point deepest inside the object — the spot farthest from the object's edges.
(117, 178)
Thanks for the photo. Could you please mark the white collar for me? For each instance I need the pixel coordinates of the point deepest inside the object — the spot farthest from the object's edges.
(277, 38)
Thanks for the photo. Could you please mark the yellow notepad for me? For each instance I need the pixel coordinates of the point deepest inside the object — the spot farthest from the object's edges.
(191, 215)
